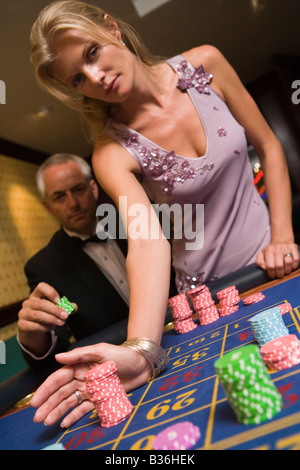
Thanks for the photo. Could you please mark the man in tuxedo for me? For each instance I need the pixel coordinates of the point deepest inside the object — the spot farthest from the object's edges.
(90, 273)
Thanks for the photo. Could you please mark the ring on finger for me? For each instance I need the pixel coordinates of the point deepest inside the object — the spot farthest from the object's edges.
(78, 396)
(288, 255)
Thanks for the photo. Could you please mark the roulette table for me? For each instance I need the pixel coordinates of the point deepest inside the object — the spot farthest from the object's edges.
(188, 390)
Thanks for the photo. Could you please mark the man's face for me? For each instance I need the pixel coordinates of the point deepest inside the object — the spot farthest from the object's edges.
(70, 197)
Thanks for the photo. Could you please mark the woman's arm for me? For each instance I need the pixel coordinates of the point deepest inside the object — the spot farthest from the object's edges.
(148, 261)
(228, 85)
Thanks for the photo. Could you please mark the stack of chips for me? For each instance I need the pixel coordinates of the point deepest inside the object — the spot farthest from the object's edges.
(254, 298)
(247, 385)
(179, 436)
(181, 313)
(108, 394)
(268, 325)
(284, 308)
(281, 353)
(229, 299)
(204, 305)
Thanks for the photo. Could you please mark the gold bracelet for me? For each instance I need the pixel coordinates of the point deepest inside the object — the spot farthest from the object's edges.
(154, 354)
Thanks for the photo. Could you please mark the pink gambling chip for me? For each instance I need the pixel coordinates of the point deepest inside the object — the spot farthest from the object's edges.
(180, 436)
(227, 291)
(253, 299)
(197, 291)
(100, 372)
(284, 308)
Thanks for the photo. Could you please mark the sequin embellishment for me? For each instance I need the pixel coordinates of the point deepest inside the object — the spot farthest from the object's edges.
(185, 282)
(196, 78)
(159, 163)
(222, 132)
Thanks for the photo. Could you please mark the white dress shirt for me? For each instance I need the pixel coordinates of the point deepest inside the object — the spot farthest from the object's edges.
(110, 260)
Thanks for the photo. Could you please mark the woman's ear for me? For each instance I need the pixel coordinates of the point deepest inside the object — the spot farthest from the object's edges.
(113, 25)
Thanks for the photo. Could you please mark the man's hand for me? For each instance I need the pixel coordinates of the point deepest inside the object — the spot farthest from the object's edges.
(38, 317)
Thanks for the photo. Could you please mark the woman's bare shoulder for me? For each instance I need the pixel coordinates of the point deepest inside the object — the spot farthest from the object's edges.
(108, 152)
(205, 55)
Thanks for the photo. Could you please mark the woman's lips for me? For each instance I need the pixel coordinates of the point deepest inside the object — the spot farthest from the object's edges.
(111, 87)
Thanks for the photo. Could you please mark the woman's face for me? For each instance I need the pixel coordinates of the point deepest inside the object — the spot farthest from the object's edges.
(100, 71)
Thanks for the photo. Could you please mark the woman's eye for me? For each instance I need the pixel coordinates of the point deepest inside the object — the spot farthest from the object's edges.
(77, 81)
(93, 52)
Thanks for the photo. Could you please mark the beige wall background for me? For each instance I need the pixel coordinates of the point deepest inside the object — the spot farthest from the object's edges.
(25, 226)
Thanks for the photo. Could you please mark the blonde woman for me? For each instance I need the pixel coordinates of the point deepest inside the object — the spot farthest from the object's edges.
(172, 132)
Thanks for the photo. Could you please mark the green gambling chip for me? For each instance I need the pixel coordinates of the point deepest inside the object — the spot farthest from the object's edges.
(248, 386)
(66, 305)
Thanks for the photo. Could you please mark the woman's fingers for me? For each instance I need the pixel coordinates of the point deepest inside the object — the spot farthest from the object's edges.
(57, 395)
(77, 413)
(278, 259)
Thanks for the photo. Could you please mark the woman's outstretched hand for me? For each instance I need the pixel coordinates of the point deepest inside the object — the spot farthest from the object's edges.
(56, 396)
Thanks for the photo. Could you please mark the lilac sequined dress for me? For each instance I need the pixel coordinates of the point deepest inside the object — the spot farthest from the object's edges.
(236, 220)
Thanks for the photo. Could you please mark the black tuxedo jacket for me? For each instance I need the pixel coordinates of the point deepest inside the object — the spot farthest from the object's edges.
(66, 267)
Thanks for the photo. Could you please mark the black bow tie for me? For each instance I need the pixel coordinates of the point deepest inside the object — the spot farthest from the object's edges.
(93, 239)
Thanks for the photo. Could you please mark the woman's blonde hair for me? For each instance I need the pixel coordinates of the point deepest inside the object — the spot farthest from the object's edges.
(71, 14)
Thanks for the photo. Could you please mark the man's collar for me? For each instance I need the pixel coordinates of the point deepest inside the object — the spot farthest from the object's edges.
(75, 234)
(93, 236)
(82, 236)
